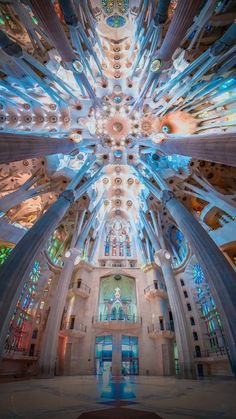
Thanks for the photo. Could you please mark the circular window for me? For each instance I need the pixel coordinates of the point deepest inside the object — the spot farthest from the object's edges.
(116, 21)
(165, 129)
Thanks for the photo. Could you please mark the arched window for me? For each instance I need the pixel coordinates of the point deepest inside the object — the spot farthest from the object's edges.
(117, 240)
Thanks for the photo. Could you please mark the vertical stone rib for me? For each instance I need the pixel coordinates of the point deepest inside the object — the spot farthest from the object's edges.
(45, 12)
(219, 148)
(15, 147)
(182, 19)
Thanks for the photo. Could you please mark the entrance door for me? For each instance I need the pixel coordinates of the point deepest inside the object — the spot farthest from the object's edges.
(103, 353)
(130, 360)
(130, 367)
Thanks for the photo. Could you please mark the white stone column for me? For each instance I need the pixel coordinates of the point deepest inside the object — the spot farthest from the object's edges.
(48, 356)
(185, 352)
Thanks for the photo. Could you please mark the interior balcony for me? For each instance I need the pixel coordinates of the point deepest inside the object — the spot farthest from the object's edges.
(155, 290)
(208, 357)
(73, 330)
(117, 322)
(157, 331)
(117, 262)
(79, 289)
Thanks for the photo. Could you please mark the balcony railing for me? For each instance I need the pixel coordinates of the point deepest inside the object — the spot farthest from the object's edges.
(84, 287)
(167, 327)
(77, 327)
(80, 289)
(219, 352)
(117, 263)
(124, 319)
(154, 287)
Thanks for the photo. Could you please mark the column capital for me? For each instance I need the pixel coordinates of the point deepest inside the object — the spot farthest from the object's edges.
(161, 254)
(69, 195)
(166, 195)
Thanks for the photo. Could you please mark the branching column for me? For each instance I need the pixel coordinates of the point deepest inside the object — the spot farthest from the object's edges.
(163, 259)
(47, 360)
(219, 148)
(16, 269)
(182, 19)
(14, 147)
(186, 361)
(220, 274)
(50, 339)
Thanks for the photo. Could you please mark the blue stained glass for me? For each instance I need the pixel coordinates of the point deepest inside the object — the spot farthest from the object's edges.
(165, 129)
(117, 99)
(116, 21)
(198, 274)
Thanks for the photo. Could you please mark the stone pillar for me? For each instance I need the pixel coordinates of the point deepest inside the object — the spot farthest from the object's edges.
(14, 272)
(182, 19)
(51, 24)
(219, 148)
(14, 147)
(48, 356)
(183, 340)
(116, 354)
(23, 193)
(219, 273)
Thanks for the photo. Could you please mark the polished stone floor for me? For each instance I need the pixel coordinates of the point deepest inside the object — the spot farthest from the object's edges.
(69, 397)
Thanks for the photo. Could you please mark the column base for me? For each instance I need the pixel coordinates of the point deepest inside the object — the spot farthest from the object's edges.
(187, 372)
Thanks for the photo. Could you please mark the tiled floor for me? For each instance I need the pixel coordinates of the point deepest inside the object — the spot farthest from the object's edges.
(69, 397)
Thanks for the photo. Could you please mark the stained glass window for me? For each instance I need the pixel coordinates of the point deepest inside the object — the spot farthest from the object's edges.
(21, 322)
(4, 253)
(116, 21)
(57, 245)
(208, 309)
(117, 241)
(198, 274)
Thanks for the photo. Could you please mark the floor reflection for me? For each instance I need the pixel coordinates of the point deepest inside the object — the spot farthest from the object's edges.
(116, 388)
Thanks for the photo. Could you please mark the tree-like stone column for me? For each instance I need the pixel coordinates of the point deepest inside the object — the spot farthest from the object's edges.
(45, 12)
(183, 340)
(182, 19)
(72, 257)
(219, 148)
(220, 274)
(48, 356)
(15, 147)
(16, 269)
(163, 259)
(23, 193)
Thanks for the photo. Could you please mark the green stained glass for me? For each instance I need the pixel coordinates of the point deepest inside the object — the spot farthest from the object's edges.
(4, 253)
